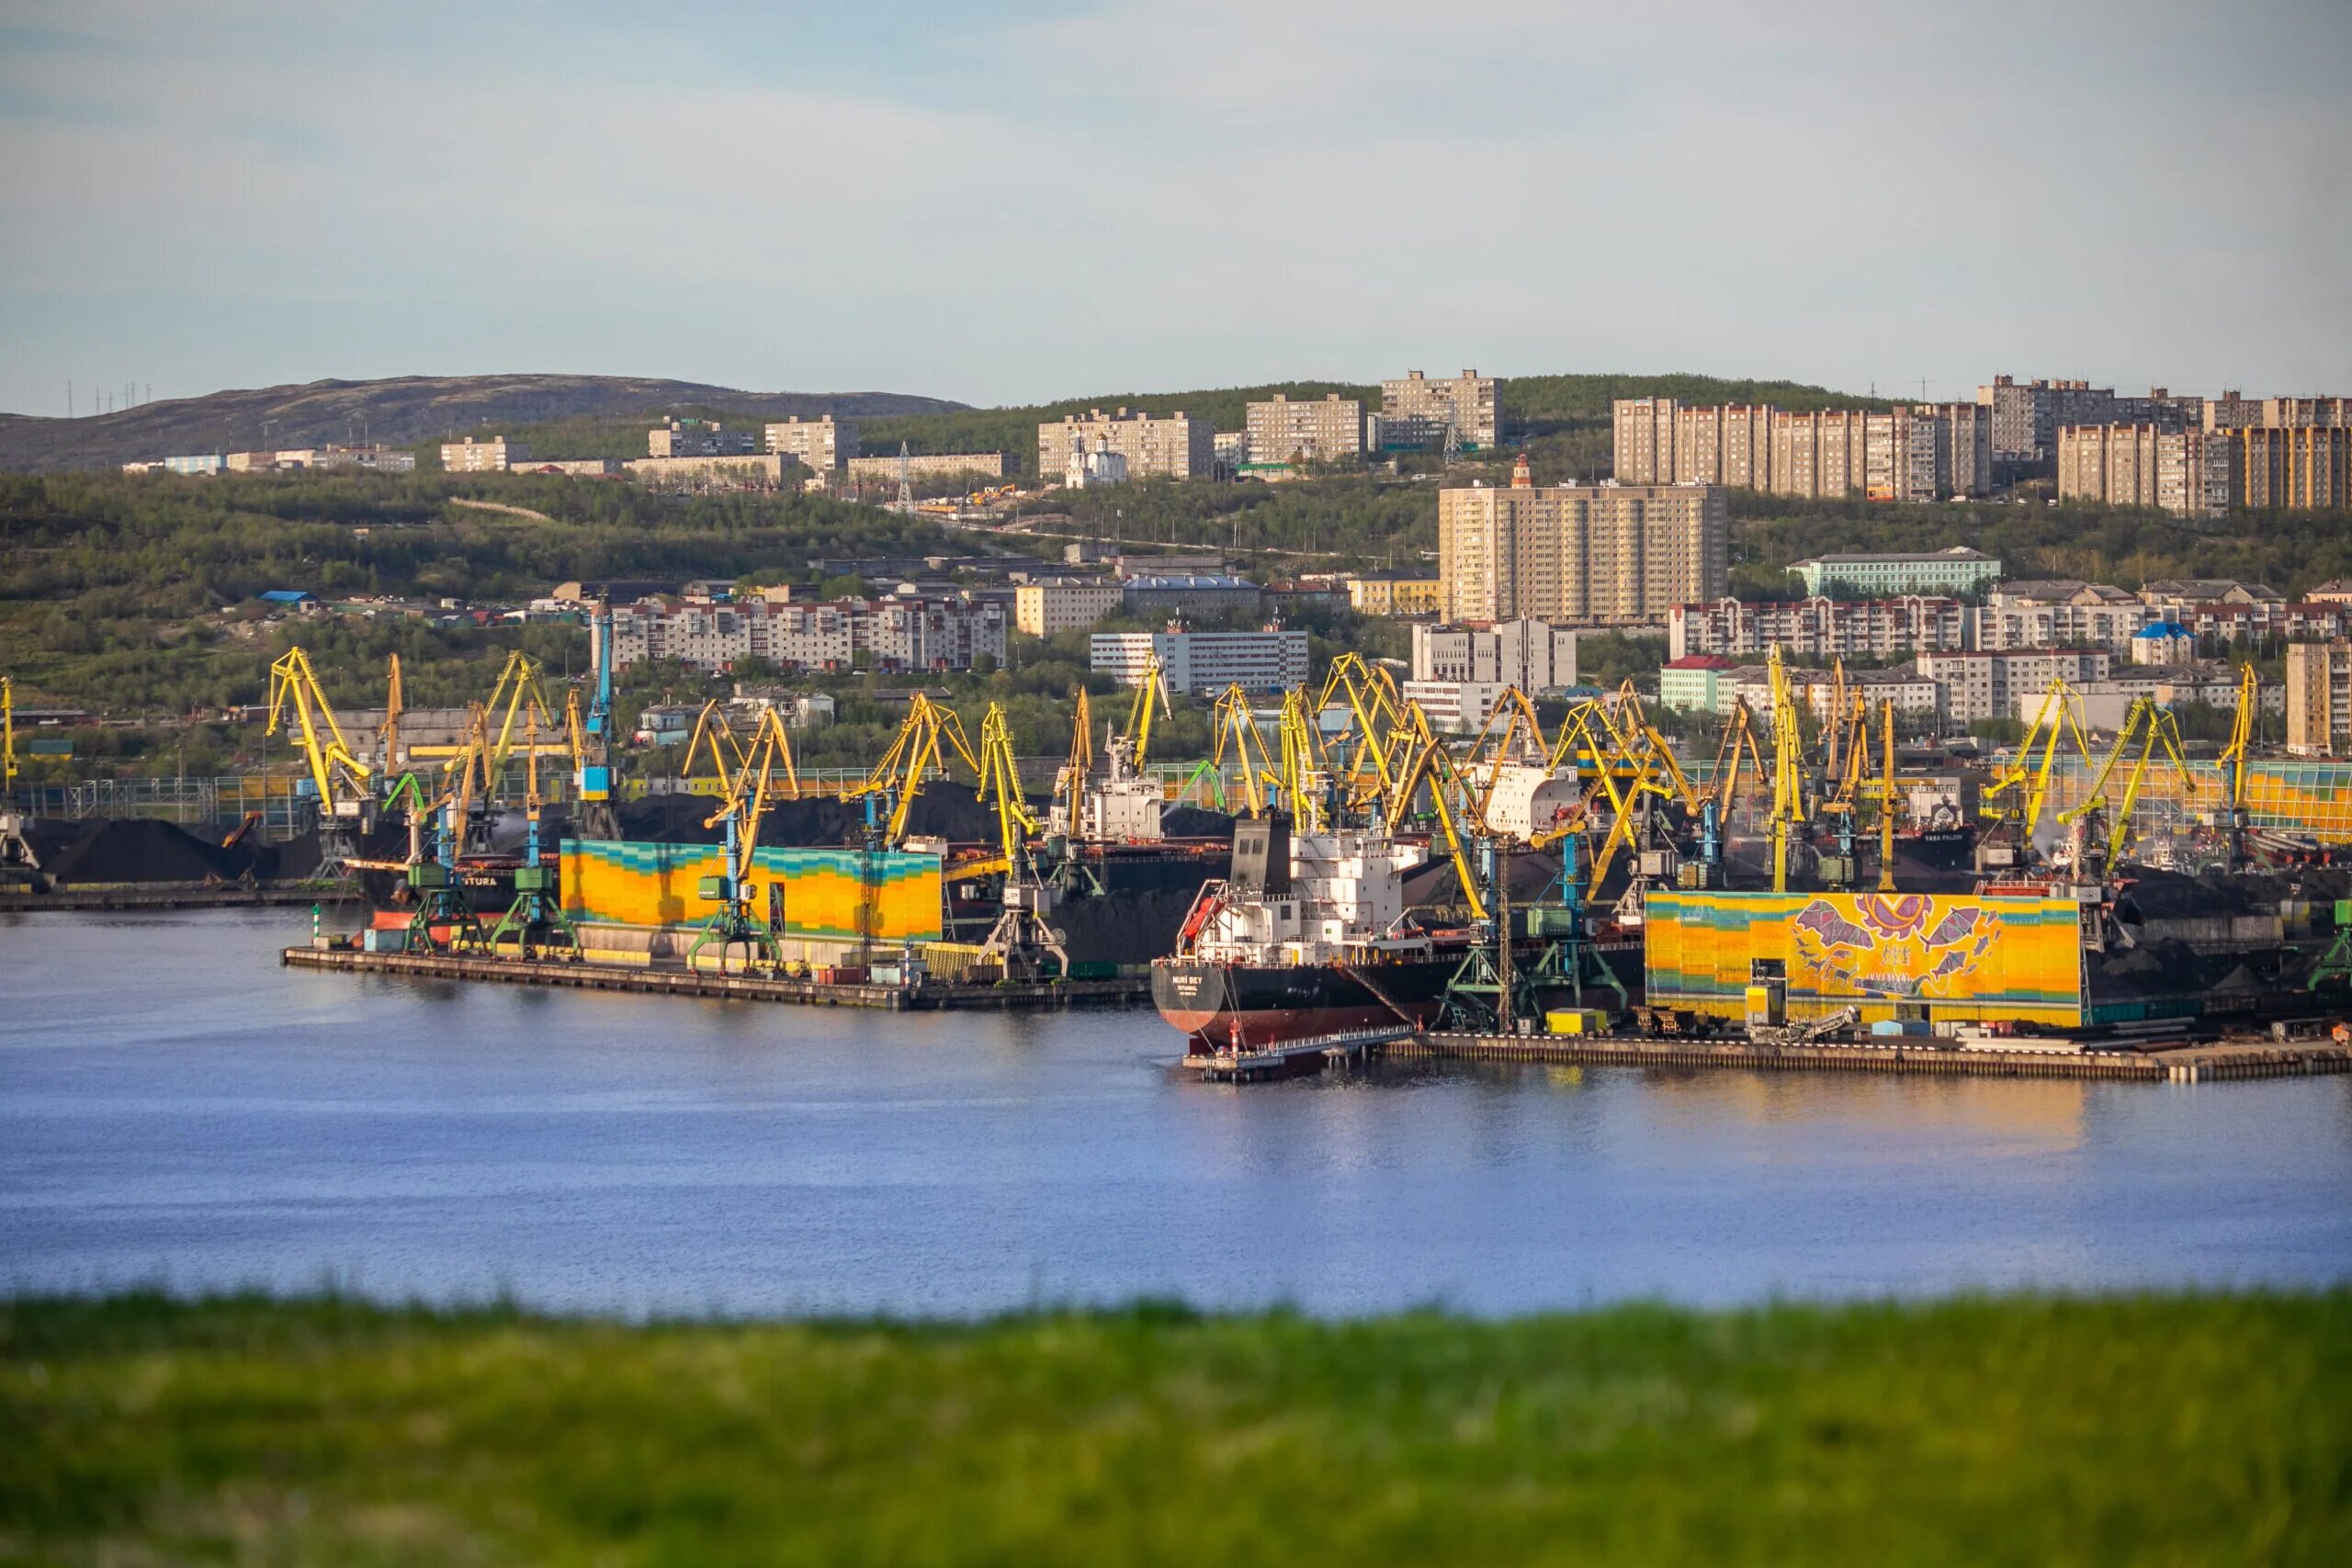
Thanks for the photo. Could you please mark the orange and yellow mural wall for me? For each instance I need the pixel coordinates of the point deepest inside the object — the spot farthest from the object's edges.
(830, 894)
(1964, 959)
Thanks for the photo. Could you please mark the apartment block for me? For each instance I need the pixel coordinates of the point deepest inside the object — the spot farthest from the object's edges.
(1607, 552)
(823, 444)
(2187, 473)
(1532, 655)
(2235, 410)
(926, 466)
(1905, 454)
(1973, 685)
(889, 634)
(575, 468)
(1821, 627)
(1190, 593)
(1415, 412)
(2304, 468)
(698, 438)
(757, 470)
(2061, 613)
(1954, 572)
(1455, 707)
(1203, 663)
(2319, 698)
(1057, 605)
(1329, 430)
(1396, 594)
(494, 456)
(1174, 445)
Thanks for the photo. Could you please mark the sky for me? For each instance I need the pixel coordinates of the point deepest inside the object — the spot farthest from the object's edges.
(1013, 202)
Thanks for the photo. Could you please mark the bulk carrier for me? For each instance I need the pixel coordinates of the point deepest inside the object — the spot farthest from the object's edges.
(1307, 937)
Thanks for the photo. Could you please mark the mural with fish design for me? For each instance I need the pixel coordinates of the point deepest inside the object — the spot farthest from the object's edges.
(1960, 958)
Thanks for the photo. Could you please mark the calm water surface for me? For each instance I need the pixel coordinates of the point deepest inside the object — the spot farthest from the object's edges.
(176, 1108)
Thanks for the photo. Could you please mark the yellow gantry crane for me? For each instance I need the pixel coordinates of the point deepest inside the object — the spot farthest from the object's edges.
(1303, 766)
(1069, 782)
(2030, 779)
(1789, 815)
(915, 751)
(340, 777)
(2149, 732)
(747, 772)
(1022, 937)
(1375, 715)
(7, 736)
(1151, 696)
(1237, 731)
(1428, 762)
(2233, 764)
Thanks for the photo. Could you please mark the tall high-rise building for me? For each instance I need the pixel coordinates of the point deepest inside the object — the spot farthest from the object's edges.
(1607, 552)
(2319, 698)
(2189, 473)
(1903, 454)
(1174, 445)
(1415, 411)
(1325, 430)
(2304, 468)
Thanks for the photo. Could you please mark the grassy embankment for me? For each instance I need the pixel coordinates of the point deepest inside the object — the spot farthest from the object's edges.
(2015, 1431)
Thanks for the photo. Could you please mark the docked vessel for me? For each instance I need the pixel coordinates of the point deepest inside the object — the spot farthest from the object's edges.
(1307, 937)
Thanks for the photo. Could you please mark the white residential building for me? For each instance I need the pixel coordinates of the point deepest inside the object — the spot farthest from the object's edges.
(1955, 571)
(1532, 655)
(1987, 685)
(1455, 707)
(823, 444)
(1818, 626)
(495, 455)
(1063, 603)
(890, 633)
(1204, 662)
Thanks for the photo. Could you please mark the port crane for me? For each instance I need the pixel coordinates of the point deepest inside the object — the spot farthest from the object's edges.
(437, 883)
(1789, 815)
(1022, 939)
(2149, 733)
(1429, 763)
(1237, 730)
(7, 738)
(2233, 764)
(929, 734)
(592, 733)
(535, 922)
(346, 797)
(747, 775)
(2026, 783)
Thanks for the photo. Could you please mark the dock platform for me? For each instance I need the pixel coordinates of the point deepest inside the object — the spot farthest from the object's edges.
(152, 896)
(2222, 1062)
(579, 974)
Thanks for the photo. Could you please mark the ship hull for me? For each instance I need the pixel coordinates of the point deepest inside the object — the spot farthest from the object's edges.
(1220, 1006)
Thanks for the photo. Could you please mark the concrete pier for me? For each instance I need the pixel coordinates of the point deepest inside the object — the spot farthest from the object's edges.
(930, 996)
(2216, 1062)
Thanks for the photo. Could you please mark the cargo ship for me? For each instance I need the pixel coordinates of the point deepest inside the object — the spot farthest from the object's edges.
(1307, 937)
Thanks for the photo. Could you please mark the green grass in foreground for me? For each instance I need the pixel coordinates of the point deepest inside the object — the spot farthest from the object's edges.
(2168, 1430)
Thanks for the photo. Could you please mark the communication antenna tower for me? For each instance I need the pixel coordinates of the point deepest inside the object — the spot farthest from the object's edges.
(905, 507)
(1452, 443)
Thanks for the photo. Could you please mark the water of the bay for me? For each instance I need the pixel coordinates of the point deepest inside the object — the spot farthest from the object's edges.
(177, 1109)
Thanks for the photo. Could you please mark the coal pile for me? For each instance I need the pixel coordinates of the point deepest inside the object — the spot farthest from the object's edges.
(1125, 928)
(1533, 875)
(950, 813)
(135, 848)
(1192, 822)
